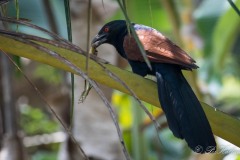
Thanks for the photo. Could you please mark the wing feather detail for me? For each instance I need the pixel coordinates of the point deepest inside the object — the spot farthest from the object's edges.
(159, 49)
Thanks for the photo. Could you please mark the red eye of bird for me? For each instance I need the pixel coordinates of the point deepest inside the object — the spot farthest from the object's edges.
(106, 29)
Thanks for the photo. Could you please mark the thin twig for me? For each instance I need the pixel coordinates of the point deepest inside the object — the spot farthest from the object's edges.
(49, 106)
(89, 19)
(97, 89)
(61, 42)
(87, 86)
(115, 77)
(39, 39)
(70, 46)
(133, 32)
(150, 10)
(124, 6)
(53, 35)
(174, 19)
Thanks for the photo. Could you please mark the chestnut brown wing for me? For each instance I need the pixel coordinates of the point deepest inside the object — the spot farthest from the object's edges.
(158, 48)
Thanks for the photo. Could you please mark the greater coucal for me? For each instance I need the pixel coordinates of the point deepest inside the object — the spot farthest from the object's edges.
(184, 113)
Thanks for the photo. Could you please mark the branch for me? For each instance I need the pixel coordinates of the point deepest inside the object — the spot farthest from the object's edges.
(222, 124)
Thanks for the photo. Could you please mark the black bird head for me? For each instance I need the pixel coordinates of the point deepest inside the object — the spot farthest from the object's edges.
(112, 33)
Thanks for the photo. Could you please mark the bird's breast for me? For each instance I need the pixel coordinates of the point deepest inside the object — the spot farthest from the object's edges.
(131, 48)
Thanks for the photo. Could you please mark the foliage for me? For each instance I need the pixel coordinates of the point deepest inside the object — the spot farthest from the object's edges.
(35, 121)
(49, 74)
(45, 156)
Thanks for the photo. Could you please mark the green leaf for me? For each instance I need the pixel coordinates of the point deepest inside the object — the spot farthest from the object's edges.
(225, 32)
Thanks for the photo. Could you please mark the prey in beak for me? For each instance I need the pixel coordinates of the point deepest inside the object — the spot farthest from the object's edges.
(99, 39)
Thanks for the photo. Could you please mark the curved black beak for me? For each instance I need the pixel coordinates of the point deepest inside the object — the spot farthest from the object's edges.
(99, 39)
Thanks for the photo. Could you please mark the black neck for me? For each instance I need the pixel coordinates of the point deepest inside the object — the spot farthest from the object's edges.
(119, 43)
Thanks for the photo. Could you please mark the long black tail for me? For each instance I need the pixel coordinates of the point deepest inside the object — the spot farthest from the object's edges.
(184, 113)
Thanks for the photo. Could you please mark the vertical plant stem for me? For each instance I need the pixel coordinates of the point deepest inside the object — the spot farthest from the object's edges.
(174, 18)
(124, 5)
(89, 19)
(68, 19)
(17, 10)
(69, 31)
(8, 102)
(137, 135)
(50, 16)
(150, 10)
(87, 86)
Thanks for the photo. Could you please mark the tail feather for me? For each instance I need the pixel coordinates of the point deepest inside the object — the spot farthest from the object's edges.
(184, 113)
(173, 122)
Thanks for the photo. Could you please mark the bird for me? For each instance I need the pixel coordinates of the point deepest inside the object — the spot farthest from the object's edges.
(184, 113)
